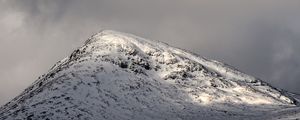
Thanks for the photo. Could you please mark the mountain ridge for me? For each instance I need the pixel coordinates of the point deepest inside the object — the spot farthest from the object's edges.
(121, 66)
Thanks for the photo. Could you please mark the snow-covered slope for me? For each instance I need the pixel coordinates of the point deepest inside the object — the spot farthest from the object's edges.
(121, 76)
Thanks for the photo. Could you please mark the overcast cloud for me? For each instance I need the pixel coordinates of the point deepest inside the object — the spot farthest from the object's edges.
(259, 37)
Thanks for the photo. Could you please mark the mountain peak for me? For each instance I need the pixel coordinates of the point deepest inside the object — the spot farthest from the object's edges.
(116, 75)
(111, 36)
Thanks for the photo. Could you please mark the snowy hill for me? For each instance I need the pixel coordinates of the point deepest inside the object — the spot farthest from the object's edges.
(121, 76)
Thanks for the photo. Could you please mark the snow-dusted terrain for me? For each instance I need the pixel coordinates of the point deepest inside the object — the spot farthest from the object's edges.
(118, 76)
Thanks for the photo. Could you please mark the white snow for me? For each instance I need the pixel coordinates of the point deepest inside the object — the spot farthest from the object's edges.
(116, 75)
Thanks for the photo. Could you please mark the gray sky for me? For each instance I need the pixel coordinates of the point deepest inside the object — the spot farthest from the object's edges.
(259, 37)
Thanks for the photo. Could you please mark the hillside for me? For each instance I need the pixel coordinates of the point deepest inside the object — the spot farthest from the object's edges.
(121, 76)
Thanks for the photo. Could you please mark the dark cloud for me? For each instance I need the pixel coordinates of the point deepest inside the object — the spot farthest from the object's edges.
(259, 37)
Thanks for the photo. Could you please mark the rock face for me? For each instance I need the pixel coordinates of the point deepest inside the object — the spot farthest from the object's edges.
(121, 76)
